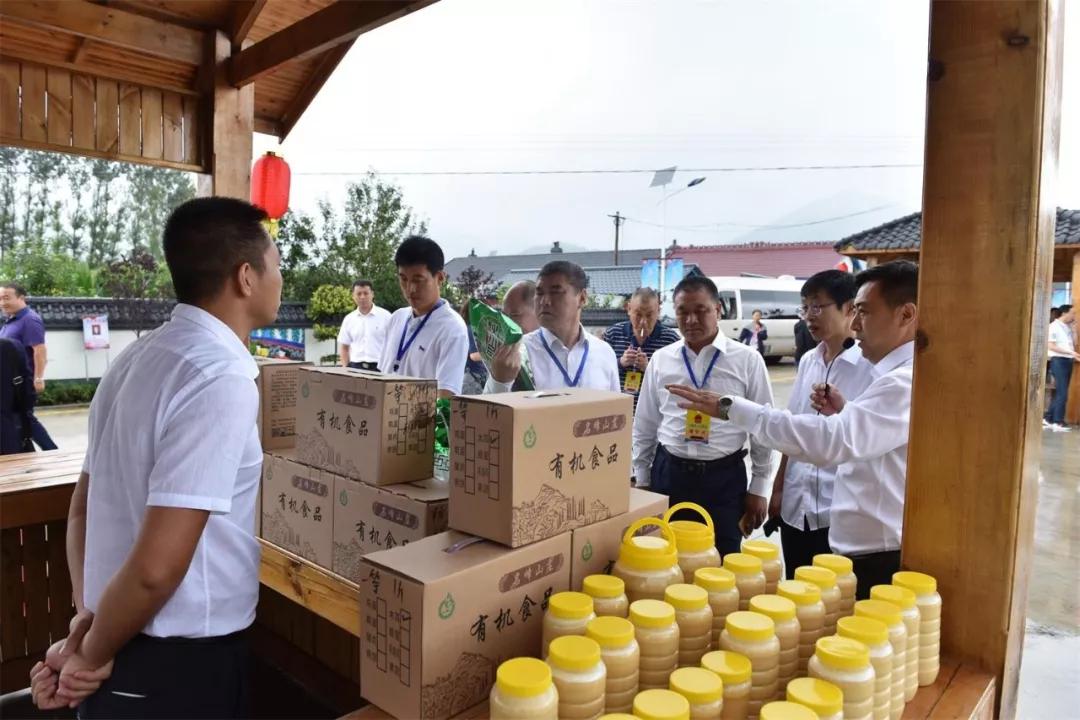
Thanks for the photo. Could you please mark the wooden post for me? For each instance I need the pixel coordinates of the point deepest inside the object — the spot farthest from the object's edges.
(993, 116)
(231, 124)
(1072, 409)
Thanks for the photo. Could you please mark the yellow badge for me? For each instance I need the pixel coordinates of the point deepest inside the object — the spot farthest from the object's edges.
(697, 426)
(632, 383)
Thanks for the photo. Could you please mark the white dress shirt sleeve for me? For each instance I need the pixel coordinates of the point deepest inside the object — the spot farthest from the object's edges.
(196, 466)
(759, 390)
(454, 351)
(646, 426)
(493, 386)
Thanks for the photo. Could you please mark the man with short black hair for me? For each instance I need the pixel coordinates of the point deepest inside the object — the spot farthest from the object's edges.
(363, 331)
(160, 538)
(427, 339)
(25, 326)
(1061, 348)
(519, 304)
(636, 339)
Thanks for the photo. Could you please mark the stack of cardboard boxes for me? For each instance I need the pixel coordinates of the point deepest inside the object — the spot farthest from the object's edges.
(539, 498)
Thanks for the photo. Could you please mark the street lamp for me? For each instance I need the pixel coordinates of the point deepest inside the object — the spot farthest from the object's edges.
(662, 179)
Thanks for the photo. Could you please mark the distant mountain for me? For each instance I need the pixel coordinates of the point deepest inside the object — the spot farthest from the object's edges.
(862, 210)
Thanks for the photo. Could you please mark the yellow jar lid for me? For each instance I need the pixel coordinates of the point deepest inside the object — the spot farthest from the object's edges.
(886, 612)
(686, 597)
(617, 716)
(651, 613)
(784, 710)
(610, 631)
(732, 667)
(523, 677)
(714, 579)
(750, 626)
(648, 552)
(691, 535)
(901, 597)
(837, 563)
(822, 577)
(841, 653)
(821, 696)
(776, 607)
(742, 563)
(761, 549)
(574, 653)
(867, 630)
(917, 582)
(603, 586)
(799, 592)
(661, 705)
(697, 685)
(570, 605)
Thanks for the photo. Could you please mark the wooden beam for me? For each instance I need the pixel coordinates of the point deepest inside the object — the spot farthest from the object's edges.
(993, 116)
(1072, 408)
(244, 17)
(86, 68)
(231, 122)
(80, 51)
(322, 72)
(268, 126)
(103, 154)
(108, 25)
(339, 23)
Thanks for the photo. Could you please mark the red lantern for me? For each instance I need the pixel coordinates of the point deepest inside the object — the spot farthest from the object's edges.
(270, 180)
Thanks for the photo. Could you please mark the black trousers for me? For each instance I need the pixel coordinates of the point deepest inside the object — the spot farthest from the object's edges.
(874, 569)
(175, 678)
(373, 367)
(801, 545)
(719, 486)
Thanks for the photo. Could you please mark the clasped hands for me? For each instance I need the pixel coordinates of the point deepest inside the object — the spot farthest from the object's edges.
(65, 678)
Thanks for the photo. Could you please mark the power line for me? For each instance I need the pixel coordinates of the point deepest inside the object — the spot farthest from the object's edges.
(775, 168)
(712, 226)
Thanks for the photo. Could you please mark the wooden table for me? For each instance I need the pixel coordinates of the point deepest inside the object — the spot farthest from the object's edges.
(329, 596)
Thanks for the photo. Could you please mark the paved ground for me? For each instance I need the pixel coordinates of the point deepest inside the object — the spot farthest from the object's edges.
(1049, 686)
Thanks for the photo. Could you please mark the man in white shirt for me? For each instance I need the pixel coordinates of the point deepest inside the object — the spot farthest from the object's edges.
(519, 304)
(684, 454)
(866, 437)
(561, 353)
(363, 331)
(160, 540)
(427, 339)
(802, 492)
(1062, 351)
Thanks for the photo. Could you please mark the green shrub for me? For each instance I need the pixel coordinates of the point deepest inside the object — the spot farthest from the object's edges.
(328, 305)
(67, 392)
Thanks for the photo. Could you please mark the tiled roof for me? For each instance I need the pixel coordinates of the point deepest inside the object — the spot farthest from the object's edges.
(770, 259)
(611, 280)
(906, 233)
(500, 265)
(65, 313)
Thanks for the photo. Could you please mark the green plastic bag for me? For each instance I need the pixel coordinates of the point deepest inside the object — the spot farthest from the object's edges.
(492, 331)
(442, 438)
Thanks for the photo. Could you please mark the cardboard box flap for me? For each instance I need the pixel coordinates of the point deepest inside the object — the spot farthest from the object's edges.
(365, 375)
(425, 491)
(539, 399)
(437, 557)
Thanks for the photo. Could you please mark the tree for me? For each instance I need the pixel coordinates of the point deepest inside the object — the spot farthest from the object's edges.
(137, 277)
(474, 282)
(329, 303)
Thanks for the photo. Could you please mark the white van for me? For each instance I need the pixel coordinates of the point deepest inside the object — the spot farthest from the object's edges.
(778, 300)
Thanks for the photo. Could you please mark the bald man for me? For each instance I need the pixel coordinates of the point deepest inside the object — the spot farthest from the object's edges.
(520, 305)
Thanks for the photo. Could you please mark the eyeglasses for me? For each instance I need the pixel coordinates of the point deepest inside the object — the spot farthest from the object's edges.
(809, 311)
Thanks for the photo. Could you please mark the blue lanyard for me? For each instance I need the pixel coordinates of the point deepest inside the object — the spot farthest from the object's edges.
(690, 368)
(403, 346)
(565, 374)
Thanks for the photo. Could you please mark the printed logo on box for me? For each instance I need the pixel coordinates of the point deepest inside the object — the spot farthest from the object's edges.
(599, 425)
(530, 573)
(308, 485)
(355, 399)
(395, 515)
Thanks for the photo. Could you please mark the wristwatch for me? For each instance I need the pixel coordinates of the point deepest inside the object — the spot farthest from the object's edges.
(723, 407)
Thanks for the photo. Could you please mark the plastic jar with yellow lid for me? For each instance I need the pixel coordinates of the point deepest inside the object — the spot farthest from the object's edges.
(754, 635)
(608, 594)
(769, 555)
(749, 577)
(568, 613)
(723, 596)
(694, 616)
(647, 564)
(929, 603)
(618, 716)
(782, 612)
(784, 710)
(825, 579)
(821, 696)
(704, 690)
(905, 600)
(845, 578)
(579, 674)
(622, 657)
(889, 614)
(810, 611)
(695, 541)
(846, 664)
(874, 634)
(657, 635)
(524, 690)
(661, 705)
(736, 672)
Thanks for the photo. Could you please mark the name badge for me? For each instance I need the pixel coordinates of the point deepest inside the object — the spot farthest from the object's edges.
(697, 426)
(632, 383)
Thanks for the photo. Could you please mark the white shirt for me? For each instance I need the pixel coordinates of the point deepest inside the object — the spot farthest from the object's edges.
(739, 370)
(173, 425)
(1061, 335)
(601, 371)
(867, 440)
(438, 351)
(808, 489)
(365, 334)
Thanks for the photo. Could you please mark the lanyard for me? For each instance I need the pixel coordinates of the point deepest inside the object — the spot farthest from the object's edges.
(565, 374)
(403, 346)
(690, 368)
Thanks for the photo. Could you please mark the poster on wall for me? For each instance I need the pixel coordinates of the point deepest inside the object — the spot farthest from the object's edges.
(95, 330)
(280, 343)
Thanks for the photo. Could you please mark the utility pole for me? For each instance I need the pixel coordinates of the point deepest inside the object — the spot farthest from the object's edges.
(619, 220)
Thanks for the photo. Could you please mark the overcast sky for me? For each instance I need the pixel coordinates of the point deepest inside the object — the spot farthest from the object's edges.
(543, 85)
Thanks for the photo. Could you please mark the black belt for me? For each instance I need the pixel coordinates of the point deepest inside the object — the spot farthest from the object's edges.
(705, 465)
(229, 639)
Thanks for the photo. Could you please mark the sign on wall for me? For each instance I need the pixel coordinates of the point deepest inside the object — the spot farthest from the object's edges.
(96, 332)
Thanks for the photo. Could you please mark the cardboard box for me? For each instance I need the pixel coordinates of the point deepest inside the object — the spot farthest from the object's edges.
(378, 429)
(440, 614)
(297, 509)
(278, 390)
(596, 547)
(368, 519)
(525, 466)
